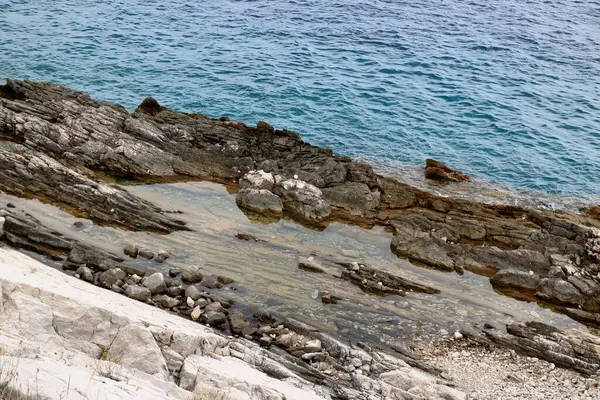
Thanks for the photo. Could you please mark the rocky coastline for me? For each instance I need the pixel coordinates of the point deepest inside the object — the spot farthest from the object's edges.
(64, 148)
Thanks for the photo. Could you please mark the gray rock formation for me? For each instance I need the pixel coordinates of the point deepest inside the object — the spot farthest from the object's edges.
(60, 146)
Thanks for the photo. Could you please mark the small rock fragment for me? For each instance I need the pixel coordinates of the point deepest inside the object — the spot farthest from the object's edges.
(193, 292)
(138, 293)
(146, 254)
(131, 251)
(192, 275)
(196, 312)
(214, 318)
(85, 273)
(165, 301)
(111, 276)
(156, 283)
(312, 346)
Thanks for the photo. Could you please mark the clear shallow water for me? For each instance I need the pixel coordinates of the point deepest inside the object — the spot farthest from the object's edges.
(505, 90)
(267, 276)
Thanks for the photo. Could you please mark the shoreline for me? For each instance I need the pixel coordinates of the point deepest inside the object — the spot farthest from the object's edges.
(485, 190)
(60, 147)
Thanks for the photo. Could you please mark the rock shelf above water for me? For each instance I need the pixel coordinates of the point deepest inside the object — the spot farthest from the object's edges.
(63, 147)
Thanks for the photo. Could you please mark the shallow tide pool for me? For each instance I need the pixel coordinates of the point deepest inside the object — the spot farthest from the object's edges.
(267, 276)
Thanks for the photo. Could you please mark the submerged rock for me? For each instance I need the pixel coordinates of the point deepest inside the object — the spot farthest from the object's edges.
(309, 264)
(146, 254)
(131, 251)
(162, 256)
(261, 201)
(212, 282)
(192, 275)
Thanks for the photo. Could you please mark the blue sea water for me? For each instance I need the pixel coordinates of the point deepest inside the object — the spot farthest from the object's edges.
(506, 90)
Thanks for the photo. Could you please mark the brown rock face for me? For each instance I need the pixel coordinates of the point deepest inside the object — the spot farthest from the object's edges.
(592, 212)
(150, 106)
(441, 172)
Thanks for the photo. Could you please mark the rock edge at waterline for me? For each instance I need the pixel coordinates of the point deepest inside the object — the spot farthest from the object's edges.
(63, 147)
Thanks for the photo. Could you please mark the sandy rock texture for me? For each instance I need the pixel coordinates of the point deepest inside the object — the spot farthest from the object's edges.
(491, 372)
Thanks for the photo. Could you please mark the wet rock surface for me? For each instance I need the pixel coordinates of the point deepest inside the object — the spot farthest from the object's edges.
(441, 172)
(63, 147)
(379, 282)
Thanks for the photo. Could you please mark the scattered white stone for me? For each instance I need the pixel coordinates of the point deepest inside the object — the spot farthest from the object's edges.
(190, 302)
(196, 312)
(458, 335)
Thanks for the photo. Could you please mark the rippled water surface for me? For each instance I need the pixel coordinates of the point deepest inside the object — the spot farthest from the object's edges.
(503, 89)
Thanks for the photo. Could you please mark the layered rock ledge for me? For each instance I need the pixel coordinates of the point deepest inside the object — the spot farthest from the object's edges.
(61, 146)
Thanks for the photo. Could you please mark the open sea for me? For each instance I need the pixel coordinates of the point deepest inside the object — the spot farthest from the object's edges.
(505, 90)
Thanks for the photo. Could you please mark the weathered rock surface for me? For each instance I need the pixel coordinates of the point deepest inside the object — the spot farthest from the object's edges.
(441, 172)
(61, 146)
(51, 322)
(138, 293)
(571, 349)
(309, 264)
(376, 281)
(155, 283)
(261, 201)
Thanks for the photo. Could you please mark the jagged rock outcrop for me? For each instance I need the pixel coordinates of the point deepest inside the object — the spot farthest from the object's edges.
(61, 146)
